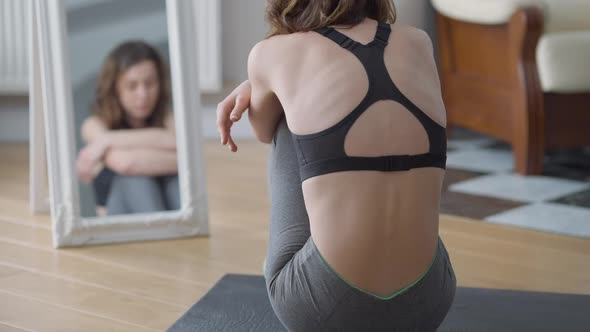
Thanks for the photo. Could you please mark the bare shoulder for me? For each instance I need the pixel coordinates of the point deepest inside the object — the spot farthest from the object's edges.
(257, 58)
(413, 45)
(92, 127)
(275, 43)
(265, 53)
(412, 37)
(269, 47)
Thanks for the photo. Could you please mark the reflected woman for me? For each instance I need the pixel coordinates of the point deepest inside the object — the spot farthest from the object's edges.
(129, 155)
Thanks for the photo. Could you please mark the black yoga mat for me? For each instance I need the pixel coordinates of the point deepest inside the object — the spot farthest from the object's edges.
(240, 303)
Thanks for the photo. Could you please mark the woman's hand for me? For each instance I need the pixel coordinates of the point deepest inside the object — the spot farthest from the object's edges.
(230, 110)
(87, 167)
(96, 150)
(84, 168)
(89, 160)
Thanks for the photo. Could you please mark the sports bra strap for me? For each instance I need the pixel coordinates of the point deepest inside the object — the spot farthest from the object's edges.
(383, 164)
(382, 35)
(324, 152)
(338, 37)
(380, 40)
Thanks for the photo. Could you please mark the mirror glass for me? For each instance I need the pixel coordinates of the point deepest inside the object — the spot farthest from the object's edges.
(126, 158)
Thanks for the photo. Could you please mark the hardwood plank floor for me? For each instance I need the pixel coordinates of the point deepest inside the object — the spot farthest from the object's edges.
(8, 328)
(146, 286)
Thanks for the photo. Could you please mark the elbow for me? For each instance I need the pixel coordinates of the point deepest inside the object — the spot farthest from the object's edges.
(263, 132)
(266, 140)
(264, 137)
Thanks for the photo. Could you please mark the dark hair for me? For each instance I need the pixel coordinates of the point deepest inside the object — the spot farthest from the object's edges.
(289, 16)
(107, 105)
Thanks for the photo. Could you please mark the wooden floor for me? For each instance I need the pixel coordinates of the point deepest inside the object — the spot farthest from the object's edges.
(147, 286)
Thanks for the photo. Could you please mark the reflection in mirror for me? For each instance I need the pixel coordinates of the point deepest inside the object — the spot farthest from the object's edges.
(126, 144)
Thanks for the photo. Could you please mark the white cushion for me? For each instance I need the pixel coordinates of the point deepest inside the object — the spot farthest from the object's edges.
(563, 61)
(481, 11)
(560, 15)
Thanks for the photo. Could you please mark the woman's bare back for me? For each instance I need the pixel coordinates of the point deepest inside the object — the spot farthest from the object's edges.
(378, 230)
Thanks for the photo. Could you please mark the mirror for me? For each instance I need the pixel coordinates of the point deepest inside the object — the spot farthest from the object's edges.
(119, 70)
(122, 120)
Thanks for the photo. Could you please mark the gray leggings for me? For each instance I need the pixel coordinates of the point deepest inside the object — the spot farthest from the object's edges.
(307, 295)
(143, 194)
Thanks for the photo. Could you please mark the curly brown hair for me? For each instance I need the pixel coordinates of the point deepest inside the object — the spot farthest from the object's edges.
(289, 16)
(107, 106)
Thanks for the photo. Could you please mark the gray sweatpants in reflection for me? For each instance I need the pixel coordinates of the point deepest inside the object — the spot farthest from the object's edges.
(143, 194)
(307, 295)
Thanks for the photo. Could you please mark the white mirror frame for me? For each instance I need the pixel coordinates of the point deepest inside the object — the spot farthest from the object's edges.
(69, 228)
(38, 182)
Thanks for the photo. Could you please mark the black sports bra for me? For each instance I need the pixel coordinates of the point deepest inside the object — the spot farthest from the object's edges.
(323, 152)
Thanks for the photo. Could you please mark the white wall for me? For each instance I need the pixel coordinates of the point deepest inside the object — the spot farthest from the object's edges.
(418, 13)
(89, 48)
(243, 26)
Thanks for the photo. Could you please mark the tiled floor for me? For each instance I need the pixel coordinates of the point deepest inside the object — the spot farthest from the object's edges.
(480, 159)
(552, 217)
(519, 188)
(480, 184)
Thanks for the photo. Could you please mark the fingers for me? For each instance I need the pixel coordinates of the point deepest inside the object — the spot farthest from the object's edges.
(93, 152)
(80, 164)
(224, 128)
(239, 108)
(230, 110)
(85, 178)
(233, 147)
(223, 121)
(83, 173)
(84, 167)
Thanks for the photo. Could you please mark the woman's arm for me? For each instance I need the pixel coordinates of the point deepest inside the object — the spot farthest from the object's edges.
(265, 108)
(134, 151)
(230, 110)
(158, 138)
(142, 161)
(152, 138)
(89, 161)
(94, 131)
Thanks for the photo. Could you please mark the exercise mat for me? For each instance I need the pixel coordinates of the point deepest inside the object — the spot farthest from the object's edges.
(240, 303)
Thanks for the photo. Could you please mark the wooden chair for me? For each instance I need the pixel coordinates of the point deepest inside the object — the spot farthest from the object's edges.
(510, 75)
